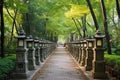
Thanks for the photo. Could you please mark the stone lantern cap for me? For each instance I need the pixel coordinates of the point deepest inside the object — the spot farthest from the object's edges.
(21, 34)
(84, 41)
(81, 41)
(90, 39)
(41, 41)
(36, 40)
(49, 42)
(69, 43)
(99, 34)
(45, 41)
(77, 42)
(29, 38)
(73, 42)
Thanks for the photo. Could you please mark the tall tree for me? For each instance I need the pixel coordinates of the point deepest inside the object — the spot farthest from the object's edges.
(2, 28)
(84, 25)
(106, 27)
(76, 26)
(118, 8)
(93, 14)
(26, 21)
(14, 24)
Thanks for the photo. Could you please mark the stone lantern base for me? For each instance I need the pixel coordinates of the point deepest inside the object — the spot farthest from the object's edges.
(37, 56)
(41, 54)
(17, 76)
(89, 59)
(99, 70)
(21, 68)
(83, 57)
(31, 59)
(88, 65)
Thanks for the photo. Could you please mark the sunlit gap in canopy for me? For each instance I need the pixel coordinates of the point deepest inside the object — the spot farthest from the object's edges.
(62, 39)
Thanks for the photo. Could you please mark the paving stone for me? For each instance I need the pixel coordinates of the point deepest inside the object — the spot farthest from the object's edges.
(60, 66)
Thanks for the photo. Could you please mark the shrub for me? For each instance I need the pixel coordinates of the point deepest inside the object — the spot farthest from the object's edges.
(6, 65)
(113, 60)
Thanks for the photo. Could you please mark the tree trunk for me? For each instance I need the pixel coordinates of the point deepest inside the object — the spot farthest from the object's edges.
(2, 29)
(106, 27)
(11, 38)
(79, 28)
(15, 11)
(71, 37)
(76, 26)
(27, 24)
(93, 14)
(84, 26)
(118, 8)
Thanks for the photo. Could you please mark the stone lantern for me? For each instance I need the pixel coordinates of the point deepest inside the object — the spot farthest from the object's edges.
(21, 57)
(80, 51)
(77, 50)
(31, 53)
(98, 71)
(41, 50)
(84, 44)
(45, 49)
(37, 51)
(49, 48)
(29, 42)
(89, 54)
(21, 39)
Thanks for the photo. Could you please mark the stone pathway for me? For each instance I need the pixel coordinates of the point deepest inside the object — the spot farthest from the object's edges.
(60, 66)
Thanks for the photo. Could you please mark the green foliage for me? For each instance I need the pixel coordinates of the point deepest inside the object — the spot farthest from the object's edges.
(45, 19)
(77, 11)
(6, 65)
(17, 5)
(10, 7)
(113, 60)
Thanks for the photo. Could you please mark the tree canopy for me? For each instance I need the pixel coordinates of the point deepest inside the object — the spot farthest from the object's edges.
(48, 19)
